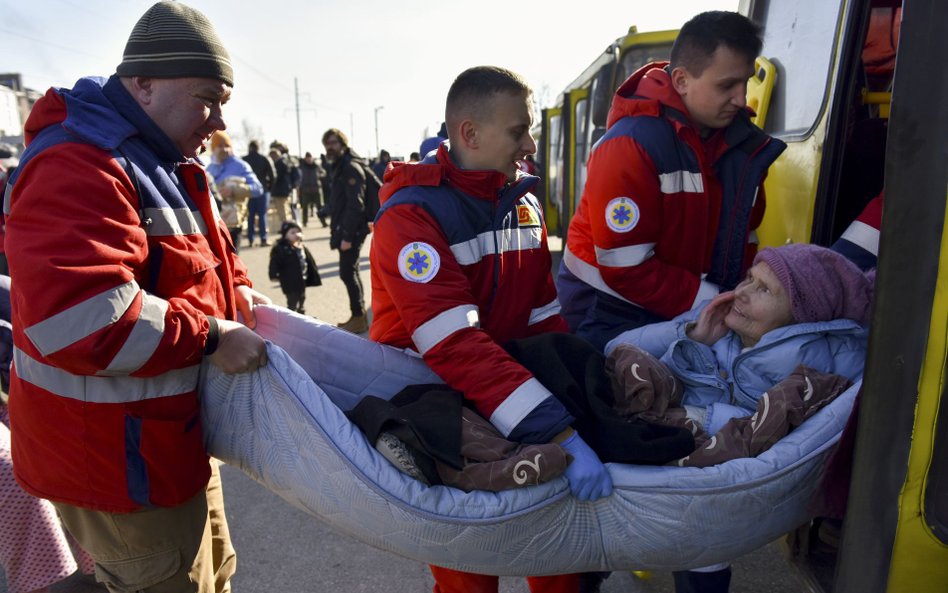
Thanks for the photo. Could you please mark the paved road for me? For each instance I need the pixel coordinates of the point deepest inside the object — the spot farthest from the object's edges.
(282, 549)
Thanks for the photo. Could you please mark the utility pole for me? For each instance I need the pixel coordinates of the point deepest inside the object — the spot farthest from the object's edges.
(297, 109)
(377, 149)
(299, 136)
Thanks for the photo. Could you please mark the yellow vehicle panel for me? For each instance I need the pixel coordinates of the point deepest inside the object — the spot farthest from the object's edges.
(790, 190)
(918, 556)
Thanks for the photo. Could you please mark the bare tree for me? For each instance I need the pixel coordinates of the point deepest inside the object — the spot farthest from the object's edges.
(250, 131)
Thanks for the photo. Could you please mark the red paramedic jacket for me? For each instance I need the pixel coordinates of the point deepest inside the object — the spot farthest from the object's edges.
(460, 265)
(663, 207)
(119, 258)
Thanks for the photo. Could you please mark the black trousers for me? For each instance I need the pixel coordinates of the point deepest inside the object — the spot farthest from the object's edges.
(687, 581)
(295, 300)
(349, 274)
(310, 200)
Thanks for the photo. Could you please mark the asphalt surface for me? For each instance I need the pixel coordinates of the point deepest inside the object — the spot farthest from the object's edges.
(280, 548)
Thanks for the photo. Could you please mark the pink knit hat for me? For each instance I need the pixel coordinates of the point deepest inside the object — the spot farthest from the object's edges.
(822, 284)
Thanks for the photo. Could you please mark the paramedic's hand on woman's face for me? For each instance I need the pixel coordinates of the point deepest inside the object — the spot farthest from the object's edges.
(588, 477)
(239, 349)
(246, 299)
(710, 327)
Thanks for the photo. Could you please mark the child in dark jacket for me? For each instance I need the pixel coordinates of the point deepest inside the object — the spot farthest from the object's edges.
(293, 265)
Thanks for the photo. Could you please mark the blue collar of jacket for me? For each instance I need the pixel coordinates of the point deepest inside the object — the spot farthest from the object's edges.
(103, 113)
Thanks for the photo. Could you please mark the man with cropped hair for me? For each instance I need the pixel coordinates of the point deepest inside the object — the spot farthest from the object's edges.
(673, 189)
(460, 265)
(674, 193)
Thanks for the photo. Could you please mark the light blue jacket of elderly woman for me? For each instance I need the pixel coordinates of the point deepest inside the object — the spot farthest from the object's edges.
(728, 379)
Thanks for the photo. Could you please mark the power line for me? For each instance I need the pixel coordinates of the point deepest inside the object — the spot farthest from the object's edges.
(47, 42)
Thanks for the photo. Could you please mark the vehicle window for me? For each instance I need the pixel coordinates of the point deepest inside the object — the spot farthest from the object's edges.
(636, 57)
(803, 35)
(581, 113)
(556, 160)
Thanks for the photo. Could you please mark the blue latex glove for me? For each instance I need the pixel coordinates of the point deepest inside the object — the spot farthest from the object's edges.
(588, 477)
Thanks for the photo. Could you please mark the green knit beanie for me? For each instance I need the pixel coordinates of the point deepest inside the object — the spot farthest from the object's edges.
(172, 40)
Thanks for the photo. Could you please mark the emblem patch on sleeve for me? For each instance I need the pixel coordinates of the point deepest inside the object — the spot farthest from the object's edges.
(527, 216)
(418, 262)
(622, 214)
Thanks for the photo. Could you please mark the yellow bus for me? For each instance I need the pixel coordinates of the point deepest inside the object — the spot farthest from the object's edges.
(849, 131)
(578, 119)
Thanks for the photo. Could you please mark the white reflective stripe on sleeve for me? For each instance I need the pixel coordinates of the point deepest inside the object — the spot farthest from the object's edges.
(754, 201)
(173, 221)
(706, 290)
(545, 312)
(518, 405)
(83, 319)
(143, 339)
(681, 181)
(588, 274)
(430, 333)
(863, 235)
(624, 257)
(103, 390)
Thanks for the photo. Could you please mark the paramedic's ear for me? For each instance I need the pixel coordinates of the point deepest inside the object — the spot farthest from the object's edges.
(468, 134)
(679, 78)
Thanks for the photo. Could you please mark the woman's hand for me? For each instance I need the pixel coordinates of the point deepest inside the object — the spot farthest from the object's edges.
(710, 327)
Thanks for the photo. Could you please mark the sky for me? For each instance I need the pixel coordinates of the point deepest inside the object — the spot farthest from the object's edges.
(303, 66)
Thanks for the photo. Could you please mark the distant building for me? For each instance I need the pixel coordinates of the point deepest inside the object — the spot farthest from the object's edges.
(16, 101)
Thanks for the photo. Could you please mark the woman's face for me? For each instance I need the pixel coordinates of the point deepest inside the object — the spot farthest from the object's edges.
(760, 305)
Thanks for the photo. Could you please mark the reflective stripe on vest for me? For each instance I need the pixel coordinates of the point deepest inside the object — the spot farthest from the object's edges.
(103, 390)
(681, 181)
(518, 239)
(545, 312)
(174, 221)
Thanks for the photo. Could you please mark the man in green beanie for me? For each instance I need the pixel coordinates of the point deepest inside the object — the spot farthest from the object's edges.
(126, 279)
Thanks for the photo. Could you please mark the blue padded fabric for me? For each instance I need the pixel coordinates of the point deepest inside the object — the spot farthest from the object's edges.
(284, 426)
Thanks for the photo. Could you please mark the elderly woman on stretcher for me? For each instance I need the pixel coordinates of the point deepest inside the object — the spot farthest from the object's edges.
(753, 363)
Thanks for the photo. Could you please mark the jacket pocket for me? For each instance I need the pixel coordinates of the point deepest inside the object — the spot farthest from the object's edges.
(182, 259)
(166, 461)
(136, 574)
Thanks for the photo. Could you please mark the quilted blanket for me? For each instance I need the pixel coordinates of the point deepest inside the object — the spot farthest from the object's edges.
(284, 426)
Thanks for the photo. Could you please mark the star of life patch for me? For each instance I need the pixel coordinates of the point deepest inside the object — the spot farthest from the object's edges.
(418, 262)
(622, 214)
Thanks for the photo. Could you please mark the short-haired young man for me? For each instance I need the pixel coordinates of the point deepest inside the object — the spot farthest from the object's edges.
(460, 265)
(673, 195)
(673, 189)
